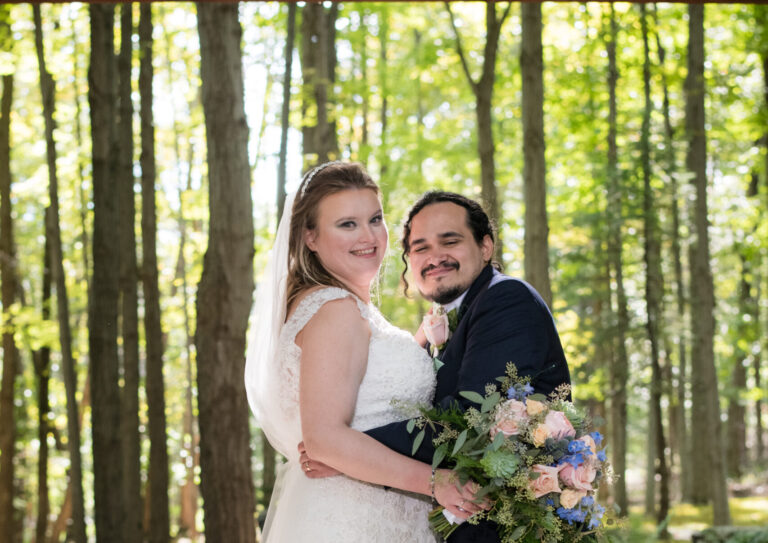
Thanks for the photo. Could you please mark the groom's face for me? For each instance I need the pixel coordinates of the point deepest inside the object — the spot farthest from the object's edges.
(444, 256)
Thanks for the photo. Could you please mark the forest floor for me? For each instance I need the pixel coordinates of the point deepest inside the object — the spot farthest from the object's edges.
(686, 519)
(748, 505)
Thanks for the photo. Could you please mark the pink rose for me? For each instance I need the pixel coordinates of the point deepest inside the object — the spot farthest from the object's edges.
(510, 418)
(558, 425)
(436, 327)
(569, 498)
(579, 478)
(546, 482)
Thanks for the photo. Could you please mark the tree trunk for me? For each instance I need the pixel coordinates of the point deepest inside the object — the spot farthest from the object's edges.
(706, 426)
(53, 236)
(269, 455)
(318, 64)
(382, 153)
(10, 353)
(129, 321)
(736, 431)
(189, 491)
(483, 90)
(760, 455)
(65, 519)
(158, 528)
(109, 489)
(654, 292)
(286, 107)
(534, 166)
(620, 368)
(42, 360)
(678, 429)
(226, 286)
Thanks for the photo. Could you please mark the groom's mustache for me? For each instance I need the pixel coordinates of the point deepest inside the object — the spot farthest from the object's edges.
(442, 265)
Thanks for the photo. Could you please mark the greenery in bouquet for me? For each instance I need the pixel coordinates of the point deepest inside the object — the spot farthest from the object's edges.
(536, 459)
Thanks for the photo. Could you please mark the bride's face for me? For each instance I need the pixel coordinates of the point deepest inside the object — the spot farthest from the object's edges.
(350, 237)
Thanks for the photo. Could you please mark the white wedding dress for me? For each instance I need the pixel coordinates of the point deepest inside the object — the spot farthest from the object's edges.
(399, 376)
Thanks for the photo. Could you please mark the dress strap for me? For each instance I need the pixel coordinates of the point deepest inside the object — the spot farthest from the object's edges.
(312, 303)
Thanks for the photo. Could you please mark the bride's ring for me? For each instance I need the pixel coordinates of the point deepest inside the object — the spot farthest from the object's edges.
(306, 466)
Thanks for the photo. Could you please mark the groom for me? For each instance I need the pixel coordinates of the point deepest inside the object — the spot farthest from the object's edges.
(449, 242)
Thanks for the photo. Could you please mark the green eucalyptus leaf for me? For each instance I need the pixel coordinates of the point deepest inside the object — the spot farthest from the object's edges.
(417, 442)
(460, 442)
(472, 396)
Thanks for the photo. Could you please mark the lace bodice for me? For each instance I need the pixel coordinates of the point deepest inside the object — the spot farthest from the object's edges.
(398, 378)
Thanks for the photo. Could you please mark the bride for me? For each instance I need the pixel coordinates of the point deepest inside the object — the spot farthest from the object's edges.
(324, 365)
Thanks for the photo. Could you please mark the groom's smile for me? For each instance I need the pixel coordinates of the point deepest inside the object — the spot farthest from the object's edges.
(444, 255)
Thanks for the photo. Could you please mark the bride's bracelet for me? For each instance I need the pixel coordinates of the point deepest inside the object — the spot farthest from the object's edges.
(432, 485)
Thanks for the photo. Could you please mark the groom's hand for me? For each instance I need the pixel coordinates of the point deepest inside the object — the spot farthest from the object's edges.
(312, 468)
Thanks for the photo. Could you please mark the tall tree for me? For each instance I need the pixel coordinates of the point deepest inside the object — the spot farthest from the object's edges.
(189, 489)
(318, 67)
(42, 361)
(226, 285)
(8, 265)
(159, 527)
(285, 111)
(620, 366)
(109, 489)
(761, 13)
(534, 165)
(706, 426)
(53, 237)
(42, 358)
(483, 91)
(269, 455)
(129, 299)
(678, 429)
(654, 292)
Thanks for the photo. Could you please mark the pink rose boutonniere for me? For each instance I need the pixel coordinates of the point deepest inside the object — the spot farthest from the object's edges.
(437, 328)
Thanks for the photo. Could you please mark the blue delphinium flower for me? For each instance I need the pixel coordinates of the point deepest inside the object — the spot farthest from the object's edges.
(578, 446)
(597, 437)
(527, 389)
(575, 460)
(519, 392)
(601, 456)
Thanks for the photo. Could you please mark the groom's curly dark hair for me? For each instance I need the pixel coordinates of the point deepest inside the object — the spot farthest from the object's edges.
(478, 221)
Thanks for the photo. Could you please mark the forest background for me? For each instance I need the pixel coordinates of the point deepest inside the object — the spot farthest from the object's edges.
(145, 152)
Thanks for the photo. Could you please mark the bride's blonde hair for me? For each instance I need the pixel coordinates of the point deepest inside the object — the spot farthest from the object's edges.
(304, 267)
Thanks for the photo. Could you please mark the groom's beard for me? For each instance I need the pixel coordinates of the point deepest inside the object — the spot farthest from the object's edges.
(445, 294)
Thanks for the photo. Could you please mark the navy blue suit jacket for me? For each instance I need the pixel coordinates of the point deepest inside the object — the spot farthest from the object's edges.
(506, 321)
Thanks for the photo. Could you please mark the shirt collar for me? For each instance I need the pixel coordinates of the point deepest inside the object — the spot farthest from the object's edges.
(455, 303)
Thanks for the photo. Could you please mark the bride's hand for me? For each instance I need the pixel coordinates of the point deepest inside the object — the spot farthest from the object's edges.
(312, 468)
(420, 336)
(459, 500)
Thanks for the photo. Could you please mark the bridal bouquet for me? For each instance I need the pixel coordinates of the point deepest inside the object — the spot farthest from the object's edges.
(535, 459)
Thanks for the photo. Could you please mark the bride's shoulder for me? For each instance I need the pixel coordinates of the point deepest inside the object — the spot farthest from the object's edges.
(315, 299)
(324, 311)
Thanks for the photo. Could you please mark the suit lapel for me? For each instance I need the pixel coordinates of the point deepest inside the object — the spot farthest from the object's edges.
(452, 353)
(478, 285)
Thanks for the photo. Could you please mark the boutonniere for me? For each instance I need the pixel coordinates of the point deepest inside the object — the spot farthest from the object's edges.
(438, 326)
